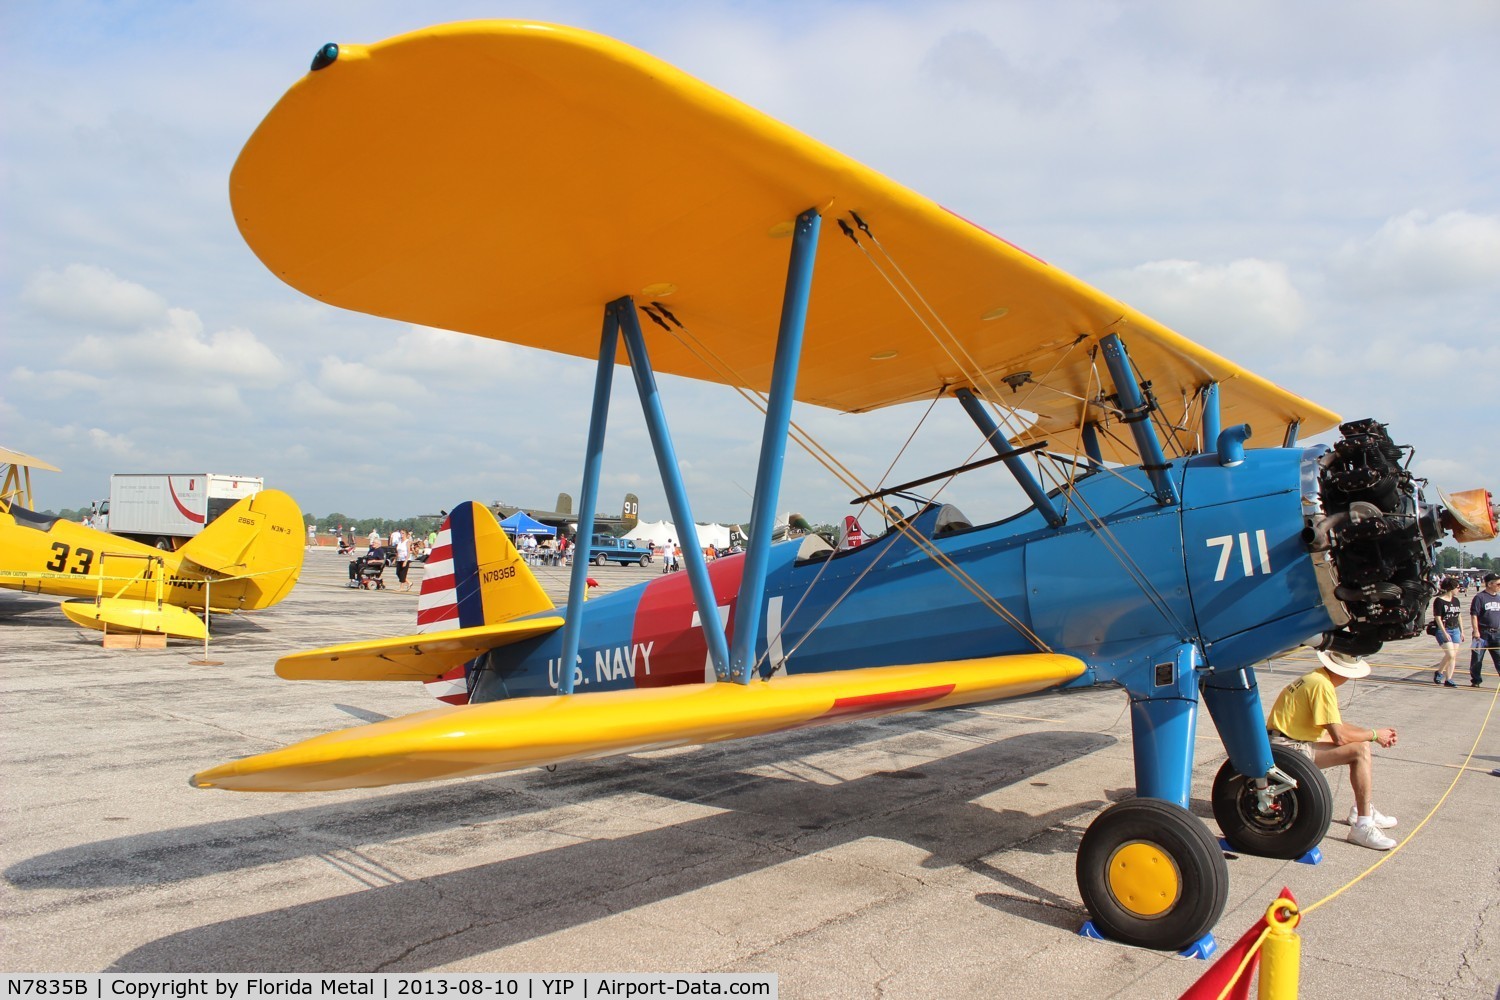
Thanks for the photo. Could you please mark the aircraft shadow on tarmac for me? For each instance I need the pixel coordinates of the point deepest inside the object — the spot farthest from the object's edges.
(425, 922)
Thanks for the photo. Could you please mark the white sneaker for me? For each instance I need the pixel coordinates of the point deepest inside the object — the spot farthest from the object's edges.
(1381, 820)
(1366, 835)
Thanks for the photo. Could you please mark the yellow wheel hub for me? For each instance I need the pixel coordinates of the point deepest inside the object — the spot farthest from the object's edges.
(1144, 879)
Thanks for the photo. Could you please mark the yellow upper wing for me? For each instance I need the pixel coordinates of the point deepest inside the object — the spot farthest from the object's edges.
(25, 461)
(507, 179)
(525, 732)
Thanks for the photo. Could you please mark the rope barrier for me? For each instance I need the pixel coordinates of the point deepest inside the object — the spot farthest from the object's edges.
(1280, 966)
(22, 574)
(1425, 820)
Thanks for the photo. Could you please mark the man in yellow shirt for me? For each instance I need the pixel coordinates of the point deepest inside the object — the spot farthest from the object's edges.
(1306, 717)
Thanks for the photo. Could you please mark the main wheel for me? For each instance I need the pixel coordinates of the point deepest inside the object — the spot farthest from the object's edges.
(1296, 820)
(1151, 874)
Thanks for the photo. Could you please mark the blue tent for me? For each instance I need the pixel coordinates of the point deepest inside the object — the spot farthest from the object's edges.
(522, 523)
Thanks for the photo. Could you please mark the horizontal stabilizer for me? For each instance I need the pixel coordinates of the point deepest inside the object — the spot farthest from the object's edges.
(422, 657)
(526, 732)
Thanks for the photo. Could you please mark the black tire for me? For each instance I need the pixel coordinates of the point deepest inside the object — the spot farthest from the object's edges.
(1298, 819)
(644, 561)
(1185, 883)
(165, 544)
(599, 560)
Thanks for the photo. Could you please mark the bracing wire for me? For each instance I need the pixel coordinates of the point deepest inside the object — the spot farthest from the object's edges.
(1008, 418)
(824, 457)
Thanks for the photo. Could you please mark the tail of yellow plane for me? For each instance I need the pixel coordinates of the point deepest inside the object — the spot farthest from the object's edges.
(259, 542)
(475, 587)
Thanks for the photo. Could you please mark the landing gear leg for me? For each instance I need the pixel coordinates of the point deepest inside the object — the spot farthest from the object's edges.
(1269, 801)
(1149, 871)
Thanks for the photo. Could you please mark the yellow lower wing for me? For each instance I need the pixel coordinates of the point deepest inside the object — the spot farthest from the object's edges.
(504, 735)
(424, 657)
(125, 615)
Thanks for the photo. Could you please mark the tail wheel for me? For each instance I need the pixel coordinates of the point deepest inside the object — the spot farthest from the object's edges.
(1295, 820)
(1152, 875)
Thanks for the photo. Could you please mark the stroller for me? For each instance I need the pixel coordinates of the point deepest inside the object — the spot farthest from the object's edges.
(365, 571)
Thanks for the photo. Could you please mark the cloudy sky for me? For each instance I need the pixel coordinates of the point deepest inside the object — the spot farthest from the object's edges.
(1312, 190)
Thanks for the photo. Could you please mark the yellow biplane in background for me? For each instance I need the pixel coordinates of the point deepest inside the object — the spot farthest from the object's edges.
(246, 559)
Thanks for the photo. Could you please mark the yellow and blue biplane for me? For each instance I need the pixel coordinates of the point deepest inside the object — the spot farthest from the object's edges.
(549, 187)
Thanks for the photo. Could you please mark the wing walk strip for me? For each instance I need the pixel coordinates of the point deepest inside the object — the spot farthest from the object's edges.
(527, 732)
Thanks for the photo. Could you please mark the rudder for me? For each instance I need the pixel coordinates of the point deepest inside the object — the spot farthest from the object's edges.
(260, 542)
(474, 576)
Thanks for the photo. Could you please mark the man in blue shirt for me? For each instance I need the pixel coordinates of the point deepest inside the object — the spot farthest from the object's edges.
(1485, 610)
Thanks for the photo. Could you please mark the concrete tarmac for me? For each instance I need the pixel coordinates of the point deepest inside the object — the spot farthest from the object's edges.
(925, 855)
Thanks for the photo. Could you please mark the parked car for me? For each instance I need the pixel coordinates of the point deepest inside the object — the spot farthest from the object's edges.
(608, 548)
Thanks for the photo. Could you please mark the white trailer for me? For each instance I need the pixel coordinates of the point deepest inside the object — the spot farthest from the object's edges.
(166, 509)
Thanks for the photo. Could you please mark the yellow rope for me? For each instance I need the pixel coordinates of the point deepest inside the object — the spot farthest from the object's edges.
(1417, 829)
(1245, 962)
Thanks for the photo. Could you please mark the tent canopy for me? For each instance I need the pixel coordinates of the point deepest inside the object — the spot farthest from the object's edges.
(522, 523)
(716, 535)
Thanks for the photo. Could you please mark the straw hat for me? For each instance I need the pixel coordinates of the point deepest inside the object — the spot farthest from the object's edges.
(1351, 667)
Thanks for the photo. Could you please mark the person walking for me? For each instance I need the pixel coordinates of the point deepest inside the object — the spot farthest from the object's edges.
(1446, 628)
(1485, 628)
(403, 560)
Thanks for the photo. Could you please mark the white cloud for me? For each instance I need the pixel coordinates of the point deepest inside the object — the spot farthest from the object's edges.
(114, 445)
(442, 357)
(82, 293)
(1223, 306)
(1415, 254)
(56, 383)
(354, 381)
(179, 346)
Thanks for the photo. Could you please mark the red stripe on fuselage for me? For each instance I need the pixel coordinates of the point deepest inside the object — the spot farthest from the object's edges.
(664, 620)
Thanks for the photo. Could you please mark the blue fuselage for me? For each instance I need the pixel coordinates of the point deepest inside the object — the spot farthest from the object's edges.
(1123, 583)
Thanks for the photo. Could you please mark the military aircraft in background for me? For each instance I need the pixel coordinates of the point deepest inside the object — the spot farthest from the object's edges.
(1178, 532)
(563, 516)
(246, 559)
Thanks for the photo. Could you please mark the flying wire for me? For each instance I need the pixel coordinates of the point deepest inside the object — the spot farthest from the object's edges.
(977, 376)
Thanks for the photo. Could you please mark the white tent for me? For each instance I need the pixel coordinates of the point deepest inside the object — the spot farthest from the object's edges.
(658, 532)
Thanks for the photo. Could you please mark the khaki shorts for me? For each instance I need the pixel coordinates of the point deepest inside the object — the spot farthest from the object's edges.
(1283, 740)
